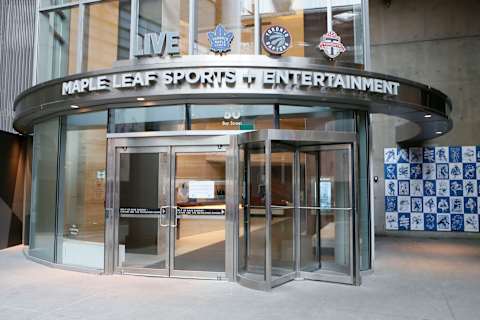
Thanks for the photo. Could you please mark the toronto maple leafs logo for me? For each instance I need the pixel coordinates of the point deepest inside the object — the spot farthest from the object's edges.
(331, 45)
(220, 39)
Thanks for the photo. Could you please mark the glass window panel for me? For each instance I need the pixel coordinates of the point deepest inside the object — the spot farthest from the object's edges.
(236, 16)
(200, 240)
(57, 44)
(44, 190)
(107, 34)
(142, 242)
(155, 16)
(363, 201)
(316, 118)
(82, 224)
(306, 20)
(231, 117)
(48, 3)
(147, 119)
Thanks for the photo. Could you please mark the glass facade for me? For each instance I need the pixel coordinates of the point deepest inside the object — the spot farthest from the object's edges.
(307, 21)
(57, 43)
(70, 152)
(81, 218)
(85, 35)
(44, 190)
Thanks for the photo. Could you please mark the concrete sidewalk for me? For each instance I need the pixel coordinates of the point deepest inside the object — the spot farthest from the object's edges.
(413, 279)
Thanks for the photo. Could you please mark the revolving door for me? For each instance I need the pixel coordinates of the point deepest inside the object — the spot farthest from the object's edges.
(297, 208)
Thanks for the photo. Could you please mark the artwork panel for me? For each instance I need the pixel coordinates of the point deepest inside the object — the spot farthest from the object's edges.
(469, 154)
(391, 221)
(390, 155)
(403, 171)
(455, 154)
(417, 222)
(443, 222)
(391, 187)
(471, 222)
(457, 222)
(403, 204)
(441, 154)
(430, 221)
(416, 155)
(429, 155)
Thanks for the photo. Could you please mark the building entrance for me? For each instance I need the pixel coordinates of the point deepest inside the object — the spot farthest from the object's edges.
(171, 210)
(297, 211)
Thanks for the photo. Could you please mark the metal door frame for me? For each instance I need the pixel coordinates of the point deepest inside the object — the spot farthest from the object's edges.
(182, 143)
(299, 138)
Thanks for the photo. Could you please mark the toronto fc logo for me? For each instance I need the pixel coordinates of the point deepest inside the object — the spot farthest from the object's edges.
(331, 45)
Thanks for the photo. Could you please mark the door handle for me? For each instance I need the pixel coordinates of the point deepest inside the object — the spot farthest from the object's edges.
(174, 214)
(163, 215)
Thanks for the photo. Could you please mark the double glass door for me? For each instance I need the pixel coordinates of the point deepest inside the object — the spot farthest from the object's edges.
(170, 204)
(297, 210)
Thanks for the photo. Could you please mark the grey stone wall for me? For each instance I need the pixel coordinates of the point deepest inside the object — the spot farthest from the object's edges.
(436, 42)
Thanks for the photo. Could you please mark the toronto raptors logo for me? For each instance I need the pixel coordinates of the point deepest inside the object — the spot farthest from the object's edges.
(276, 40)
(331, 45)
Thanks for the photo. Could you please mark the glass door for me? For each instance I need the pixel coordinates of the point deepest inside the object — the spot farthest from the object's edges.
(143, 189)
(325, 212)
(171, 210)
(296, 214)
(198, 220)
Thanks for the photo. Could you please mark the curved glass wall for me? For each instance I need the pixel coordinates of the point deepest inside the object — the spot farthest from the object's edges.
(70, 162)
(86, 35)
(81, 217)
(44, 190)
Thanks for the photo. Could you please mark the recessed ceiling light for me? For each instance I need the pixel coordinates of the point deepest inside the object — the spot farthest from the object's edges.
(439, 132)
(140, 99)
(73, 106)
(427, 116)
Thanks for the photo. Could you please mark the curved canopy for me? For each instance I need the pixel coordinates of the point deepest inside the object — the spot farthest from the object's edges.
(238, 79)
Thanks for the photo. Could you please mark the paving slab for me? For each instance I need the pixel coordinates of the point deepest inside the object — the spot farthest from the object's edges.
(414, 279)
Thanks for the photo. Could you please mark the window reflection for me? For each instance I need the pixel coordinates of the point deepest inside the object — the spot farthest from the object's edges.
(157, 16)
(231, 117)
(316, 118)
(147, 119)
(107, 33)
(306, 20)
(57, 44)
(235, 15)
(83, 189)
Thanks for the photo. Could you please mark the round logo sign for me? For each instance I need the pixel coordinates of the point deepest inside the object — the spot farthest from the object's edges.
(276, 40)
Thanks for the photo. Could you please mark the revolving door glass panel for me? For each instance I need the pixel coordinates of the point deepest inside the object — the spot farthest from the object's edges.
(282, 187)
(325, 211)
(252, 214)
(296, 217)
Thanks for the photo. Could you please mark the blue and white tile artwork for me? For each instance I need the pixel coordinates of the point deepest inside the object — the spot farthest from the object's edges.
(432, 188)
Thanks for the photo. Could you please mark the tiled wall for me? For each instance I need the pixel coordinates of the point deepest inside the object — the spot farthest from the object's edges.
(432, 188)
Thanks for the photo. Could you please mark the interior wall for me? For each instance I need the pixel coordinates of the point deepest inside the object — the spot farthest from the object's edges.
(435, 42)
(13, 164)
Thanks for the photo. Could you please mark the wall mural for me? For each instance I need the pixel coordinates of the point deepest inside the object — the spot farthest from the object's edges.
(432, 188)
